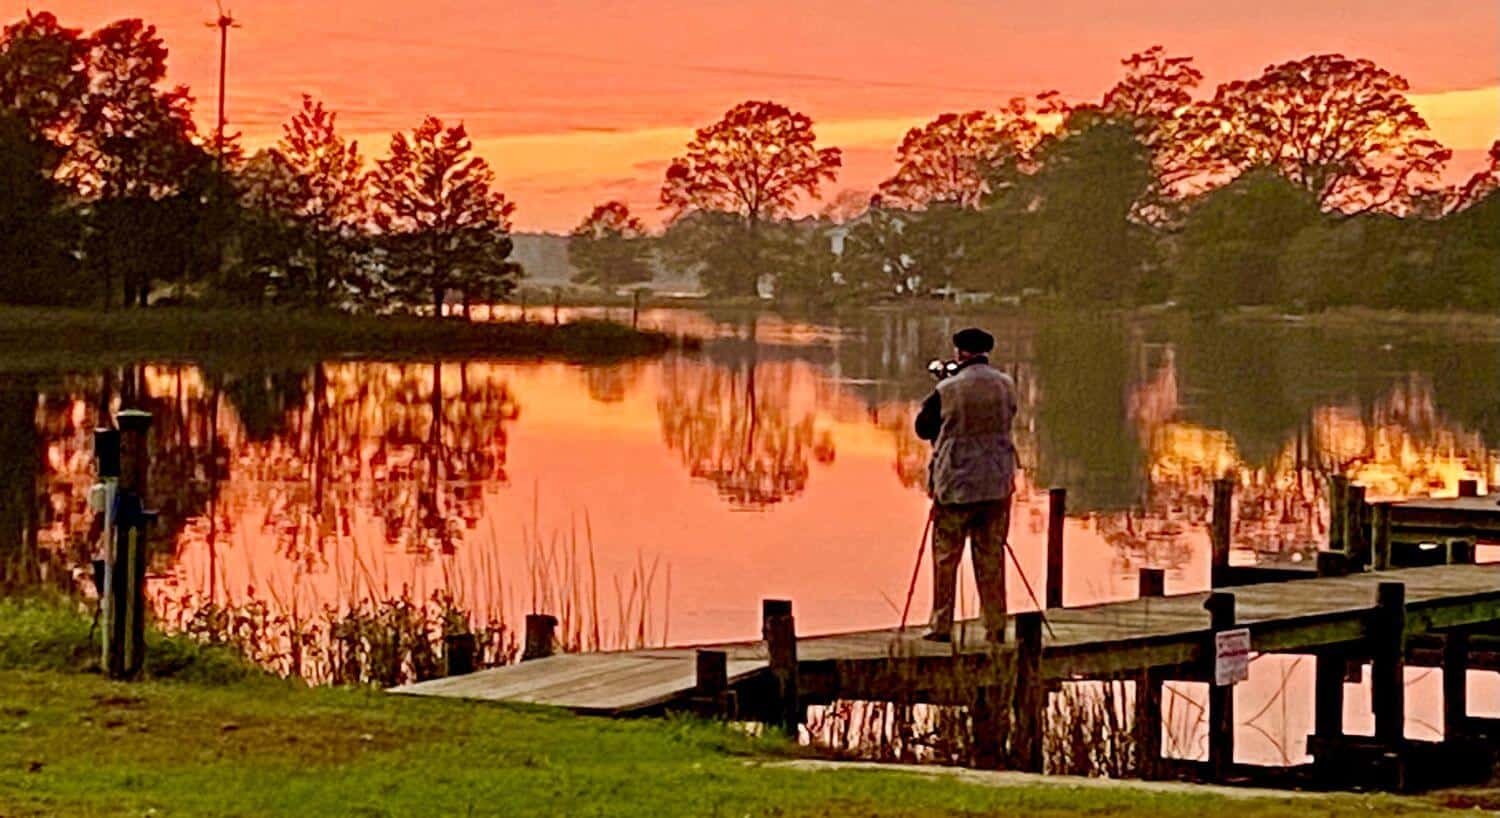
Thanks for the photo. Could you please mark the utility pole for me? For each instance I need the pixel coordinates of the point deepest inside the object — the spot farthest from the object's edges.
(225, 22)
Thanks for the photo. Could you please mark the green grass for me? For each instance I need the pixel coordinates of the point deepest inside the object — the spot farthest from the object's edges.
(54, 339)
(73, 744)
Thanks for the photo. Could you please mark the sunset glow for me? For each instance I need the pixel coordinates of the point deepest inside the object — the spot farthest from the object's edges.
(577, 102)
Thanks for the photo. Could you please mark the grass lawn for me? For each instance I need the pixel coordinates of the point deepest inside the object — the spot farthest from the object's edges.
(54, 339)
(216, 738)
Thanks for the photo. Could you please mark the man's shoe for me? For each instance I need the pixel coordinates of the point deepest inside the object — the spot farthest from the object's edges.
(938, 636)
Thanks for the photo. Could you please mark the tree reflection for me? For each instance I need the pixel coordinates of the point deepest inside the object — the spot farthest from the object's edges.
(744, 427)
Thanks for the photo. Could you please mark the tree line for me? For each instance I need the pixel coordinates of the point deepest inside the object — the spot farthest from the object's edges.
(1314, 183)
(113, 195)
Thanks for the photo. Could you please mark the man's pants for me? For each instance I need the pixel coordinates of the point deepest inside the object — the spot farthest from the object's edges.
(986, 525)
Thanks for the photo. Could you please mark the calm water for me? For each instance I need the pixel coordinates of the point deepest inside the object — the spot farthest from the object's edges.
(778, 461)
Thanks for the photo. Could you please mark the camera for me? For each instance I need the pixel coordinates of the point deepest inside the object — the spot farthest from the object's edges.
(942, 369)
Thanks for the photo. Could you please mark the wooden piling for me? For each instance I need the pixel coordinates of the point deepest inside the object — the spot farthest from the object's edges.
(1338, 498)
(1328, 695)
(780, 632)
(988, 719)
(1468, 488)
(1153, 583)
(1460, 552)
(1380, 537)
(1057, 512)
(1029, 720)
(1220, 607)
(540, 637)
(1147, 723)
(712, 697)
(1356, 530)
(1388, 649)
(1222, 531)
(459, 650)
(635, 309)
(1455, 685)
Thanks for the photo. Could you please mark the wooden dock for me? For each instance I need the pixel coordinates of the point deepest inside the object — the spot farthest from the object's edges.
(1445, 615)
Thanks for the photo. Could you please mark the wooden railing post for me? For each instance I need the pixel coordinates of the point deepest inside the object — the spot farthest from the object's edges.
(1057, 512)
(1388, 683)
(1030, 694)
(1147, 723)
(780, 632)
(1357, 530)
(1220, 697)
(711, 694)
(1222, 531)
(1338, 499)
(1329, 668)
(540, 637)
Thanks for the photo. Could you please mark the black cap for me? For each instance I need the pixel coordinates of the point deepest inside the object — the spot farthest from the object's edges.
(974, 341)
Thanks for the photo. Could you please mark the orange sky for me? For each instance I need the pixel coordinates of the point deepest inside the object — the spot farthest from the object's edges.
(576, 102)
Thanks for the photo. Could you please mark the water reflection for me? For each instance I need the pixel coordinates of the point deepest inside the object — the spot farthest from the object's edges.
(267, 473)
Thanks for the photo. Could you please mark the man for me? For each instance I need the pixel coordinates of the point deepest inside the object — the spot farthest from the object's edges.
(968, 419)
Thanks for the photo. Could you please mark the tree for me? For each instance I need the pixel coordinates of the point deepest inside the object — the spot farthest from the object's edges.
(1338, 127)
(609, 248)
(1232, 241)
(1089, 178)
(953, 159)
(43, 76)
(754, 164)
(1154, 89)
(34, 234)
(891, 251)
(313, 181)
(444, 226)
(1481, 184)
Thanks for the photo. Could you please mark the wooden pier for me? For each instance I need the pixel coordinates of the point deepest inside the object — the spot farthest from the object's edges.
(1444, 616)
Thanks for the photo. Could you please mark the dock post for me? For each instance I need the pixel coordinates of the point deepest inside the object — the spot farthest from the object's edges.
(780, 632)
(1147, 722)
(1030, 695)
(126, 606)
(988, 721)
(540, 631)
(1460, 552)
(1057, 506)
(712, 694)
(1357, 531)
(458, 653)
(1387, 683)
(635, 308)
(1338, 499)
(1153, 583)
(1468, 488)
(1455, 685)
(1222, 531)
(1329, 669)
(1380, 537)
(1220, 607)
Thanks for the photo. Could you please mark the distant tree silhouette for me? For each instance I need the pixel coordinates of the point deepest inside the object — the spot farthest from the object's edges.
(608, 248)
(1482, 183)
(753, 164)
(1231, 244)
(313, 181)
(953, 158)
(1156, 86)
(1338, 127)
(43, 77)
(445, 226)
(35, 229)
(893, 251)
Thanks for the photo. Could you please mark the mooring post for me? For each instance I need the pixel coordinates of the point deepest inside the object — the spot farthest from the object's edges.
(1468, 488)
(1460, 552)
(1455, 685)
(1153, 583)
(1147, 723)
(988, 721)
(1329, 668)
(556, 306)
(541, 631)
(1057, 513)
(1338, 498)
(126, 606)
(635, 309)
(712, 693)
(1380, 537)
(1222, 531)
(1356, 530)
(1030, 695)
(780, 632)
(1220, 607)
(458, 653)
(1388, 649)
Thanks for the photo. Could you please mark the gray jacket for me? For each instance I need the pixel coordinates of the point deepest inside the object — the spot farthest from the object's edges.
(968, 418)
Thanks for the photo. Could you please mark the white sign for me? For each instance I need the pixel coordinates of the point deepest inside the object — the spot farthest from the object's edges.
(1231, 656)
